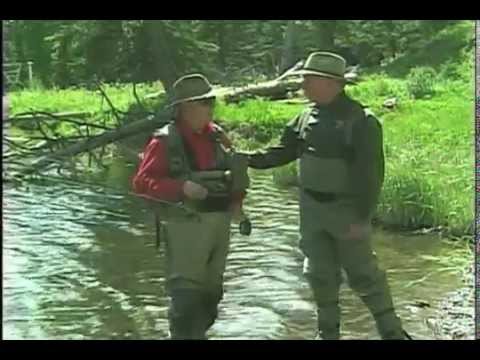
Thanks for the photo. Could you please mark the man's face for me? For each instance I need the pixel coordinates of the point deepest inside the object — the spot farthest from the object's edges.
(197, 114)
(321, 90)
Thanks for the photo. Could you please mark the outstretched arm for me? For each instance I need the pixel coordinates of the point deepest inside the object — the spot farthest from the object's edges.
(281, 154)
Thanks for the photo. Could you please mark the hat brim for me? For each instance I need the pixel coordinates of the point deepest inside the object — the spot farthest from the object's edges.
(348, 77)
(317, 73)
(212, 94)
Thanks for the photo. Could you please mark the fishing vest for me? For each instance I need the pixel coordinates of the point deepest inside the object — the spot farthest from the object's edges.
(228, 174)
(327, 152)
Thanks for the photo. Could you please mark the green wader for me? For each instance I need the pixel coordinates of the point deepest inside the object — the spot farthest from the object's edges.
(323, 228)
(327, 210)
(197, 247)
(196, 257)
(324, 140)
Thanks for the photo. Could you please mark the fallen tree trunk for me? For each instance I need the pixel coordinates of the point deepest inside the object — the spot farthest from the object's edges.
(33, 117)
(37, 115)
(273, 90)
(107, 137)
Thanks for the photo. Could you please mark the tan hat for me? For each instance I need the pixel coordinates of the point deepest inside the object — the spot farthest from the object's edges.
(324, 64)
(190, 88)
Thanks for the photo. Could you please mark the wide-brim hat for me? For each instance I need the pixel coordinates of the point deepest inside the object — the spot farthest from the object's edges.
(327, 65)
(191, 87)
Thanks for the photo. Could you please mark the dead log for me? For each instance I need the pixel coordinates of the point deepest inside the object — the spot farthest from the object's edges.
(272, 90)
(42, 115)
(145, 125)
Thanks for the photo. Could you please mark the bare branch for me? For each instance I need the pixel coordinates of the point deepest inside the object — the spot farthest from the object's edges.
(137, 98)
(98, 161)
(45, 136)
(59, 117)
(102, 152)
(115, 111)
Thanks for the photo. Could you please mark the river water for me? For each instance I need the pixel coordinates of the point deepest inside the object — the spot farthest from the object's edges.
(79, 262)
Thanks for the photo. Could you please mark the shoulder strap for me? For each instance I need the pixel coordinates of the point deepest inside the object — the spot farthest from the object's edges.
(370, 113)
(303, 120)
(177, 158)
(359, 113)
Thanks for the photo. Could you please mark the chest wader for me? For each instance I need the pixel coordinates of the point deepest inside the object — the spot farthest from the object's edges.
(197, 247)
(327, 210)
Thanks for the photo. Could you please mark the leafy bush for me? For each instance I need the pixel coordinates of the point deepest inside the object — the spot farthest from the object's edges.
(421, 82)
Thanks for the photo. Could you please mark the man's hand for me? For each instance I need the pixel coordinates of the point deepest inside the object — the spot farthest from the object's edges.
(359, 231)
(194, 191)
(244, 156)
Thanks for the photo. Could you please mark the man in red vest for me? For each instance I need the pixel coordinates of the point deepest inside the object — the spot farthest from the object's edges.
(191, 161)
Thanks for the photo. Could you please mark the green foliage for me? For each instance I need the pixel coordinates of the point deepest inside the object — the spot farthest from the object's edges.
(437, 49)
(74, 52)
(375, 89)
(462, 69)
(421, 82)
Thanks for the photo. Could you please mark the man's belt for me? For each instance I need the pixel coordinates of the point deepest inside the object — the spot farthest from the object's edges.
(324, 197)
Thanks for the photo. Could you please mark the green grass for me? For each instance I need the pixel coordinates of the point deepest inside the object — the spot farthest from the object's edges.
(268, 118)
(430, 160)
(78, 100)
(54, 100)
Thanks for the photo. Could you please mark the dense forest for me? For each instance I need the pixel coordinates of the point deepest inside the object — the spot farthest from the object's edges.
(69, 53)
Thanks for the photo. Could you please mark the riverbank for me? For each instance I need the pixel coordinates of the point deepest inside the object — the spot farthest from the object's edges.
(455, 318)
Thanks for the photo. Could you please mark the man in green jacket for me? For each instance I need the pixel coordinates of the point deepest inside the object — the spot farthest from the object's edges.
(340, 147)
